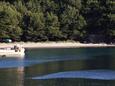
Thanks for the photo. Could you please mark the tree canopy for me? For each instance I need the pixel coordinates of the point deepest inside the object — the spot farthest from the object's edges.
(57, 20)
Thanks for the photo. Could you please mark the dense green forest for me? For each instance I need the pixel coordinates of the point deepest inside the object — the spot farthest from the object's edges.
(58, 20)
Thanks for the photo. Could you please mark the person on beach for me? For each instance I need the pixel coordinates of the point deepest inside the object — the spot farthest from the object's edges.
(17, 48)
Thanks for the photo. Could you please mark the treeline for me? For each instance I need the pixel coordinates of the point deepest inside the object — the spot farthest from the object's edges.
(58, 20)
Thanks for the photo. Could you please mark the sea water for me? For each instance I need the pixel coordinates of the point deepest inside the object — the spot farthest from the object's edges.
(60, 67)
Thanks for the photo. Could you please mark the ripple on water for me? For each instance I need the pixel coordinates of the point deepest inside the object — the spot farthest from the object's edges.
(86, 74)
(13, 63)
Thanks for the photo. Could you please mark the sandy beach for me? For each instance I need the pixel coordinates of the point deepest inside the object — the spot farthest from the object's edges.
(53, 45)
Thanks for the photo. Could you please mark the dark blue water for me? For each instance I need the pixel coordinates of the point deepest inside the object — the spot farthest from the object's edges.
(60, 67)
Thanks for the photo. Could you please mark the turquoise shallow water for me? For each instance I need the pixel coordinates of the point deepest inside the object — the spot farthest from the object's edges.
(60, 67)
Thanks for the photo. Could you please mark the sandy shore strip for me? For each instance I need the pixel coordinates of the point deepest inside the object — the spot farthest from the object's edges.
(54, 45)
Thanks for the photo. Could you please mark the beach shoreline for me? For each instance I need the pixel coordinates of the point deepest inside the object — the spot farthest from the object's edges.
(54, 45)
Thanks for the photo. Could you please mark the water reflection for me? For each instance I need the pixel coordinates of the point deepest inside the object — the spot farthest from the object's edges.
(69, 65)
(14, 63)
(69, 82)
(12, 77)
(11, 63)
(79, 61)
(59, 65)
(11, 71)
(86, 74)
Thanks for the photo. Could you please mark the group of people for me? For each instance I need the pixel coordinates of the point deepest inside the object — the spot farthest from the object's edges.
(17, 48)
